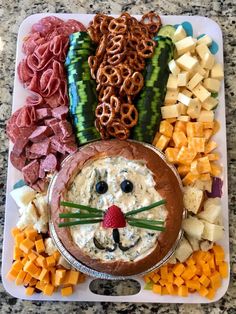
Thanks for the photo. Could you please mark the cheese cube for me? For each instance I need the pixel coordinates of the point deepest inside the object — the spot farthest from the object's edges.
(156, 138)
(162, 142)
(39, 245)
(202, 50)
(200, 70)
(174, 69)
(193, 167)
(180, 126)
(210, 147)
(184, 99)
(171, 97)
(184, 45)
(183, 78)
(186, 92)
(205, 40)
(190, 178)
(212, 232)
(206, 116)
(194, 108)
(208, 61)
(216, 169)
(213, 85)
(217, 71)
(179, 33)
(171, 154)
(48, 289)
(186, 62)
(67, 291)
(183, 170)
(208, 125)
(172, 83)
(184, 118)
(185, 155)
(210, 104)
(207, 134)
(182, 108)
(197, 144)
(195, 80)
(203, 165)
(180, 139)
(200, 92)
(171, 111)
(166, 128)
(213, 156)
(26, 245)
(194, 129)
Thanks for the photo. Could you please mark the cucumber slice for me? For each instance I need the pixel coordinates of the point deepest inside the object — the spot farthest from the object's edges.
(167, 31)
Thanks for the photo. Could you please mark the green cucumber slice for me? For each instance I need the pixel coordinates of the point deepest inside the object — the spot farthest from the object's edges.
(167, 31)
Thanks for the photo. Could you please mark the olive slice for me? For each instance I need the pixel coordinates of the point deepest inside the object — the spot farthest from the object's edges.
(98, 244)
(116, 236)
(126, 248)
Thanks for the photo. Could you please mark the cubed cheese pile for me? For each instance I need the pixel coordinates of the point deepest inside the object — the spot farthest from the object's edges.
(39, 267)
(188, 117)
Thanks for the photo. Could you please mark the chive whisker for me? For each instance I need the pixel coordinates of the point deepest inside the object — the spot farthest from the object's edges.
(78, 222)
(142, 209)
(146, 226)
(73, 205)
(149, 221)
(79, 215)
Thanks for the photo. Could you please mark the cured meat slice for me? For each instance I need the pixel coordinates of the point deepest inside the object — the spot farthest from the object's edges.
(40, 185)
(22, 140)
(56, 129)
(12, 129)
(70, 148)
(41, 133)
(43, 113)
(66, 128)
(58, 47)
(34, 100)
(25, 73)
(26, 117)
(40, 148)
(40, 58)
(60, 112)
(31, 42)
(17, 161)
(57, 145)
(49, 164)
(46, 25)
(31, 172)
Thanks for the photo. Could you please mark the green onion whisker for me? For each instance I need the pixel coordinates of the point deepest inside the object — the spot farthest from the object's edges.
(73, 205)
(149, 221)
(146, 226)
(78, 222)
(80, 215)
(142, 209)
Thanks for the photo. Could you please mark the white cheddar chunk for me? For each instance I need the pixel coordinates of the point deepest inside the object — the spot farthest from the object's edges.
(23, 195)
(201, 93)
(179, 33)
(183, 78)
(194, 108)
(184, 118)
(171, 111)
(200, 70)
(182, 108)
(210, 103)
(174, 69)
(172, 83)
(184, 99)
(202, 50)
(171, 97)
(206, 116)
(217, 71)
(206, 39)
(186, 62)
(212, 85)
(185, 45)
(208, 61)
(195, 80)
(212, 232)
(186, 92)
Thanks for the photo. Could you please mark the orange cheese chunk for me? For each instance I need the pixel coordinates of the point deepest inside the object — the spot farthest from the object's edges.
(12, 274)
(178, 281)
(17, 253)
(40, 285)
(162, 142)
(26, 245)
(19, 238)
(48, 289)
(216, 169)
(60, 274)
(15, 231)
(204, 280)
(194, 129)
(180, 126)
(164, 272)
(43, 274)
(157, 289)
(156, 278)
(203, 291)
(17, 265)
(41, 261)
(31, 233)
(27, 279)
(223, 269)
(183, 170)
(67, 291)
(20, 278)
(50, 260)
(29, 291)
(203, 165)
(197, 144)
(171, 154)
(39, 245)
(31, 268)
(185, 155)
(180, 139)
(166, 128)
(211, 294)
(190, 178)
(183, 291)
(71, 277)
(210, 146)
(178, 269)
(193, 284)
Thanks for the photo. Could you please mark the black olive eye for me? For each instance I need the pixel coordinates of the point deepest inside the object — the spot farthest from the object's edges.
(101, 187)
(126, 186)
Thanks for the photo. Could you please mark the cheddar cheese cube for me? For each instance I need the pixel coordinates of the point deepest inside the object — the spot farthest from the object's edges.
(178, 269)
(183, 169)
(190, 178)
(210, 146)
(166, 128)
(31, 268)
(20, 278)
(71, 277)
(59, 276)
(41, 261)
(26, 245)
(171, 154)
(30, 233)
(12, 274)
(67, 291)
(39, 245)
(17, 253)
(183, 291)
(50, 260)
(162, 142)
(180, 139)
(207, 134)
(180, 126)
(197, 144)
(185, 155)
(19, 238)
(29, 291)
(157, 289)
(216, 169)
(17, 265)
(15, 231)
(27, 279)
(204, 165)
(194, 129)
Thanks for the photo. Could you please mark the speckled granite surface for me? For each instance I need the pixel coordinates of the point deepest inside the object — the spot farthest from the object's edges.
(12, 14)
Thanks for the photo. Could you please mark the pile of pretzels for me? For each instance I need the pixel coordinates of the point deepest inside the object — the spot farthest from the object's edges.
(123, 44)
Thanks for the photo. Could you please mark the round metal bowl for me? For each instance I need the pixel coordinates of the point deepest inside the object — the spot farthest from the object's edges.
(78, 264)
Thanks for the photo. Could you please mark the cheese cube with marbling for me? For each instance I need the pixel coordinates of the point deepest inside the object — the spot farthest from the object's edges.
(185, 45)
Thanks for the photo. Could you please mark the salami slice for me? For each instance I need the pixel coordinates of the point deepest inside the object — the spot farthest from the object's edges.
(66, 128)
(50, 163)
(26, 117)
(43, 113)
(60, 112)
(41, 133)
(31, 172)
(17, 161)
(40, 148)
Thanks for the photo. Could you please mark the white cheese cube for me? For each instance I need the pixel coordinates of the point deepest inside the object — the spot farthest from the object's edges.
(195, 80)
(198, 69)
(184, 118)
(207, 73)
(201, 93)
(212, 232)
(183, 78)
(208, 61)
(186, 92)
(183, 251)
(210, 103)
(171, 111)
(212, 85)
(211, 212)
(174, 69)
(184, 99)
(202, 50)
(185, 45)
(186, 62)
(23, 196)
(172, 83)
(179, 33)
(206, 116)
(205, 40)
(182, 108)
(217, 71)
(171, 97)
(193, 227)
(194, 108)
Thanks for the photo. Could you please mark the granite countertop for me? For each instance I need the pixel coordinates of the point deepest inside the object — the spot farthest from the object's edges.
(12, 13)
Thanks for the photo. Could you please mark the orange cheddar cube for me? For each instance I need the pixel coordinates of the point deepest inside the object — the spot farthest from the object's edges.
(71, 277)
(162, 142)
(50, 260)
(203, 165)
(206, 270)
(67, 291)
(19, 238)
(178, 269)
(207, 134)
(26, 245)
(30, 233)
(164, 272)
(17, 253)
(39, 245)
(57, 256)
(170, 277)
(163, 282)
(12, 274)
(171, 154)
(170, 288)
(32, 256)
(156, 278)
(223, 269)
(183, 170)
(190, 178)
(185, 155)
(171, 120)
(213, 156)
(43, 274)
(178, 281)
(193, 284)
(40, 285)
(17, 265)
(216, 126)
(60, 274)
(204, 280)
(180, 126)
(208, 125)
(205, 177)
(211, 293)
(203, 291)
(216, 169)
(33, 282)
(41, 261)
(210, 146)
(218, 252)
(27, 279)
(164, 291)
(189, 272)
(180, 139)
(215, 279)
(197, 144)
(29, 291)
(48, 289)
(157, 289)
(156, 138)
(166, 128)
(194, 129)
(20, 278)
(183, 291)
(15, 231)
(31, 268)
(24, 260)
(193, 167)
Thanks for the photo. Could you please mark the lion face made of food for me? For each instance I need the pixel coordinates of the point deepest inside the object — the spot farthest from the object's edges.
(116, 178)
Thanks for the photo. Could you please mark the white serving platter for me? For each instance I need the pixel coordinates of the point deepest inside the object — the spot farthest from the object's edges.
(201, 25)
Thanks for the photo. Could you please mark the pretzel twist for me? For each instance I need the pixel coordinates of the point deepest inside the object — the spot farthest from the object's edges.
(129, 115)
(117, 129)
(105, 113)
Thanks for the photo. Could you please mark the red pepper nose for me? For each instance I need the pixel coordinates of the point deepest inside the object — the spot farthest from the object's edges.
(114, 218)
